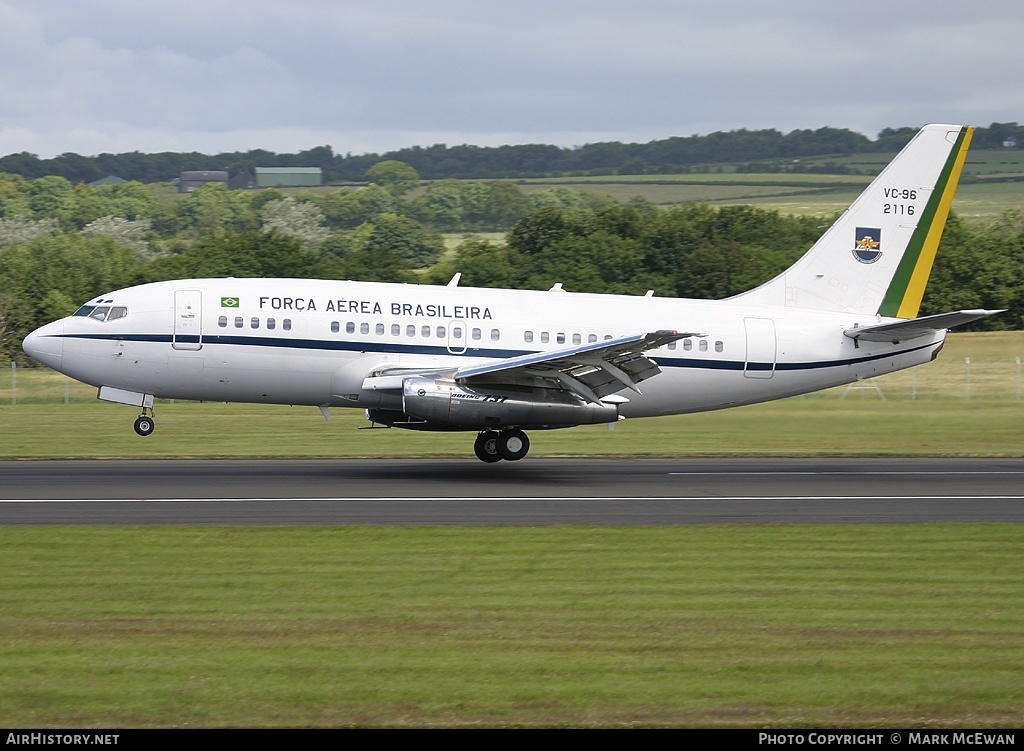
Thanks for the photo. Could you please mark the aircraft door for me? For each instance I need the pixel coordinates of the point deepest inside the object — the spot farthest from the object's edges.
(188, 320)
(761, 348)
(457, 337)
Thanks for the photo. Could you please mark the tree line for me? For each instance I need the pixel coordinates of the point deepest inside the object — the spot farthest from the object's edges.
(665, 156)
(61, 244)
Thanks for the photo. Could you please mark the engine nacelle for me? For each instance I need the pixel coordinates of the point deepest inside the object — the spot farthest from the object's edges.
(447, 403)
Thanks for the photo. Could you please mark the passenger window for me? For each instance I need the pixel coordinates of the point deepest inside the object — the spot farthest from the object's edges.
(364, 328)
(477, 334)
(254, 323)
(577, 339)
(410, 330)
(238, 322)
(335, 327)
(222, 322)
(560, 338)
(703, 345)
(350, 327)
(440, 332)
(719, 346)
(592, 338)
(607, 337)
(545, 337)
(425, 332)
(396, 329)
(286, 324)
(379, 328)
(457, 332)
(687, 344)
(527, 336)
(271, 323)
(495, 335)
(671, 345)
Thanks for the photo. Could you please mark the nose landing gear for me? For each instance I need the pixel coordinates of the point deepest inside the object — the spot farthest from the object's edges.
(510, 445)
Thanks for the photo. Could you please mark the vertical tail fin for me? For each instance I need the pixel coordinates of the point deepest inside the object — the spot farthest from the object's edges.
(876, 258)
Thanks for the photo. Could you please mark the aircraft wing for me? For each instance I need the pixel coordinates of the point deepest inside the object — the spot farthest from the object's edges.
(592, 371)
(915, 327)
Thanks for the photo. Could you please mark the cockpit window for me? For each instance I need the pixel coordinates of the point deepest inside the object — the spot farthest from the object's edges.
(102, 312)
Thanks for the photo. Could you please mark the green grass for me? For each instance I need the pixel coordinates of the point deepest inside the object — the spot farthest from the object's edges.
(453, 240)
(938, 409)
(781, 626)
(861, 425)
(710, 626)
(993, 183)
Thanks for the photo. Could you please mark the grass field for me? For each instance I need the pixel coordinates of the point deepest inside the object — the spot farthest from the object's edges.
(976, 202)
(947, 407)
(993, 183)
(766, 626)
(732, 626)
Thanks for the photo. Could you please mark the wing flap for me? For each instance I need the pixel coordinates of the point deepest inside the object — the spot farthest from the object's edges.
(915, 327)
(592, 370)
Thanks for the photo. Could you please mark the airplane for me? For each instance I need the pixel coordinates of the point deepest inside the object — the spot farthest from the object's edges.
(500, 362)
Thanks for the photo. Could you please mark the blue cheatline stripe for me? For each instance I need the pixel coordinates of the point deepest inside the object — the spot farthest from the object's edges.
(669, 362)
(311, 344)
(501, 354)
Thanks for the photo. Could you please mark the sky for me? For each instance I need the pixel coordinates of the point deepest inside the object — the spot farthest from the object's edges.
(370, 76)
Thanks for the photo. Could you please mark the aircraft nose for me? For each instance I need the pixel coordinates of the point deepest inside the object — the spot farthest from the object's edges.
(46, 344)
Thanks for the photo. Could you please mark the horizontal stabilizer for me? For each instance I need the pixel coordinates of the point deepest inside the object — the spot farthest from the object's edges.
(915, 327)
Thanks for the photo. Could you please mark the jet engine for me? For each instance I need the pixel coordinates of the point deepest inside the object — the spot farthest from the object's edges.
(447, 405)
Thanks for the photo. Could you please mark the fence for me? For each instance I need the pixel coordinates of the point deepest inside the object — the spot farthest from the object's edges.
(957, 377)
(997, 378)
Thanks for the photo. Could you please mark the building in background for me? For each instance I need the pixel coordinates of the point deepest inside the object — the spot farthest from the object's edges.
(193, 179)
(241, 180)
(286, 177)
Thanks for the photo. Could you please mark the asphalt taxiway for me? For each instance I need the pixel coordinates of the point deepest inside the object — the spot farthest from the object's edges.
(536, 491)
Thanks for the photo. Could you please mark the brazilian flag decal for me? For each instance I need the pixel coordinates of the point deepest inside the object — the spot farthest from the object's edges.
(229, 302)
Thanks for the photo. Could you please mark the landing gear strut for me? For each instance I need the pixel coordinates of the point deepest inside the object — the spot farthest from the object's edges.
(510, 445)
(145, 425)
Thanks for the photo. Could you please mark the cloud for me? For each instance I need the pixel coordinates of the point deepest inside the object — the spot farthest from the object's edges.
(111, 75)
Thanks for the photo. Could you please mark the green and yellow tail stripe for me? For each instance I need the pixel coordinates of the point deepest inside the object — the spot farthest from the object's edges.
(903, 298)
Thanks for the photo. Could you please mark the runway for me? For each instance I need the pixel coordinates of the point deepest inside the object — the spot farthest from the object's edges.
(540, 491)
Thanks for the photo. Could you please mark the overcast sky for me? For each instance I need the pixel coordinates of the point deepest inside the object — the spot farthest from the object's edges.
(93, 76)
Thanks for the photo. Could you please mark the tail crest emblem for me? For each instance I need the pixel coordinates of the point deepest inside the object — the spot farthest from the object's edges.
(867, 244)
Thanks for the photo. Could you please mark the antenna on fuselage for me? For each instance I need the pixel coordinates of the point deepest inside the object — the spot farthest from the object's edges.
(455, 279)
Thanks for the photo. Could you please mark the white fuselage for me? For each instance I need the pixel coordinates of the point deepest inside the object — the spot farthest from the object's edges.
(300, 341)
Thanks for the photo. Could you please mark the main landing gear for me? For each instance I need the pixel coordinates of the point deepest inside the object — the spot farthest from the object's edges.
(510, 445)
(145, 425)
